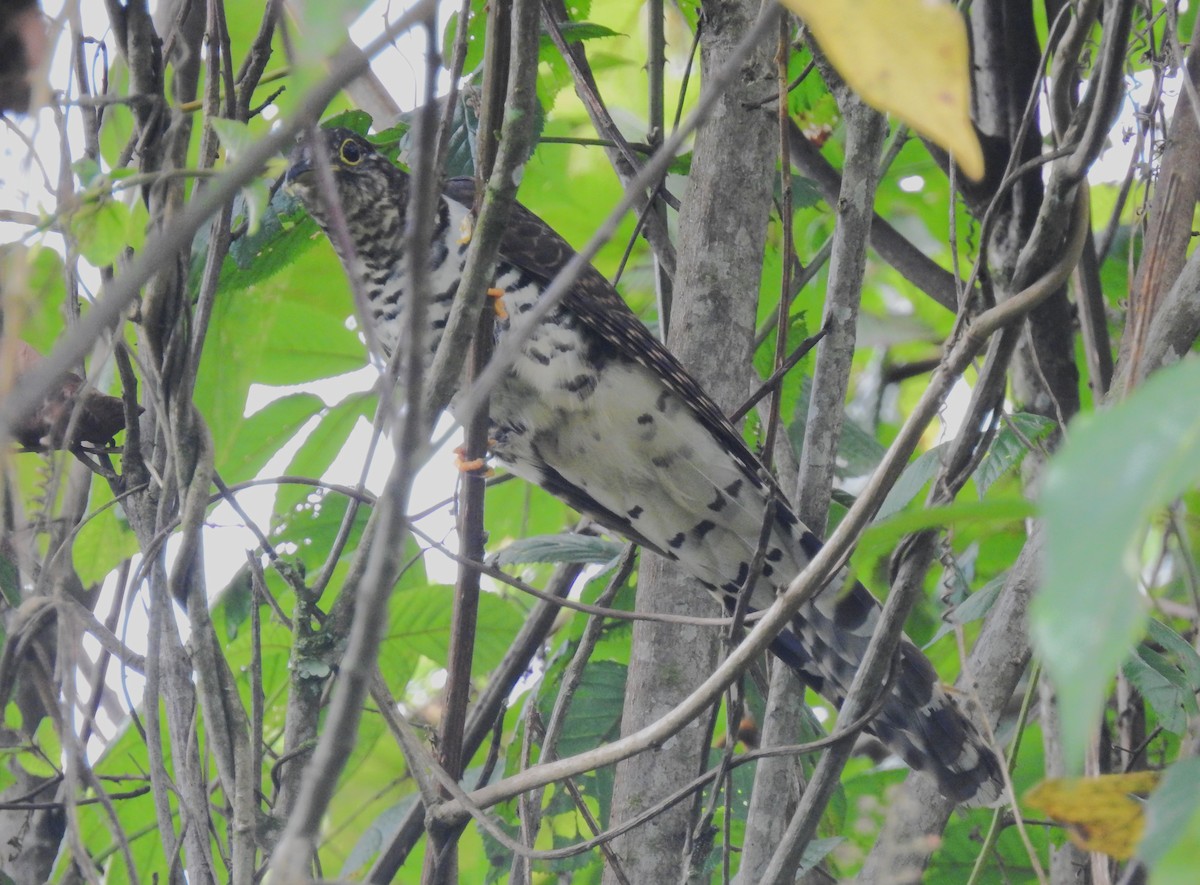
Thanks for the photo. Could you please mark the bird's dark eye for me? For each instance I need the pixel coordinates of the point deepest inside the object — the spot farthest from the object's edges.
(351, 152)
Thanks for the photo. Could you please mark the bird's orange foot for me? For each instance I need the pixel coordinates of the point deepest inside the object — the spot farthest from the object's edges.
(497, 296)
(466, 228)
(473, 466)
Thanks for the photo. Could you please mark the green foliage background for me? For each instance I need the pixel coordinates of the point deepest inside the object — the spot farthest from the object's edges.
(281, 320)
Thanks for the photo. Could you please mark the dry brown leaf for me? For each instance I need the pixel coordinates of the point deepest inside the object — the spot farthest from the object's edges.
(906, 57)
(1105, 813)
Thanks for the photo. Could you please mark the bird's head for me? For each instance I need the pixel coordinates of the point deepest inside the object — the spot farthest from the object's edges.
(369, 188)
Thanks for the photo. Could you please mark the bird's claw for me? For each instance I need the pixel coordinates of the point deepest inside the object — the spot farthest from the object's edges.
(473, 466)
(497, 296)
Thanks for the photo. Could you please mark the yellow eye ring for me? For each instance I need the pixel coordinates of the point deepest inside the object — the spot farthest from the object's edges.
(351, 152)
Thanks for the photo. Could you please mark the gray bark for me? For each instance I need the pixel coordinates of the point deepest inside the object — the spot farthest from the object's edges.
(778, 780)
(722, 233)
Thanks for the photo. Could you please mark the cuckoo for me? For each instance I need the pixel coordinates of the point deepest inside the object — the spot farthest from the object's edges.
(598, 412)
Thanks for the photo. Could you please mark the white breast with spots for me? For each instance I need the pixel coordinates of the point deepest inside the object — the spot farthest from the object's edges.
(632, 445)
(391, 298)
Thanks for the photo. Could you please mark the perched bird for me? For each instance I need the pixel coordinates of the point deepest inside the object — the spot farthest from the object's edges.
(598, 412)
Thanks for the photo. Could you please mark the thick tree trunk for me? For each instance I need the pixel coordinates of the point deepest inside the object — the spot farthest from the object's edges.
(723, 227)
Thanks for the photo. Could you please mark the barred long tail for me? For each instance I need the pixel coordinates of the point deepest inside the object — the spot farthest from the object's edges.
(918, 720)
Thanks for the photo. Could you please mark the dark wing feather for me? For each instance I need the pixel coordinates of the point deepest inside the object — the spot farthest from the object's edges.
(532, 245)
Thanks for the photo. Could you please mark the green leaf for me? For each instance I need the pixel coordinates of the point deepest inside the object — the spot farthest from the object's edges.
(1008, 449)
(241, 454)
(577, 32)
(476, 31)
(102, 230)
(377, 834)
(1163, 685)
(323, 446)
(1114, 471)
(253, 201)
(34, 290)
(566, 547)
(420, 624)
(464, 127)
(86, 170)
(883, 536)
(1173, 813)
(104, 540)
(974, 608)
(234, 602)
(309, 344)
(234, 135)
(353, 119)
(10, 585)
(796, 386)
(858, 451)
(594, 716)
(284, 232)
(1185, 655)
(914, 478)
(314, 526)
(816, 851)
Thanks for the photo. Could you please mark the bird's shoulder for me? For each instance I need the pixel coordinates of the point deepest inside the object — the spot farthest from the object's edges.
(532, 245)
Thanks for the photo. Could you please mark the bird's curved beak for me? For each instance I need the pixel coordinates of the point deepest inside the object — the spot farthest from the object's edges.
(300, 165)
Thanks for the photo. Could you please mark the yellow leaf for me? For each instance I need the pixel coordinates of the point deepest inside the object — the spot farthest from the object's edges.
(1100, 813)
(905, 57)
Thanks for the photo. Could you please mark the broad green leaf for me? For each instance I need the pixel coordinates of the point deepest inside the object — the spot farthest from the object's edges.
(234, 135)
(311, 344)
(45, 757)
(232, 608)
(242, 454)
(905, 57)
(883, 536)
(914, 478)
(974, 608)
(323, 446)
(314, 526)
(1180, 648)
(34, 293)
(816, 851)
(1113, 472)
(565, 547)
(1008, 449)
(377, 834)
(104, 540)
(1173, 822)
(476, 31)
(420, 624)
(795, 387)
(595, 712)
(284, 232)
(10, 587)
(286, 329)
(518, 510)
(86, 170)
(577, 32)
(354, 119)
(102, 229)
(251, 205)
(1163, 685)
(858, 451)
